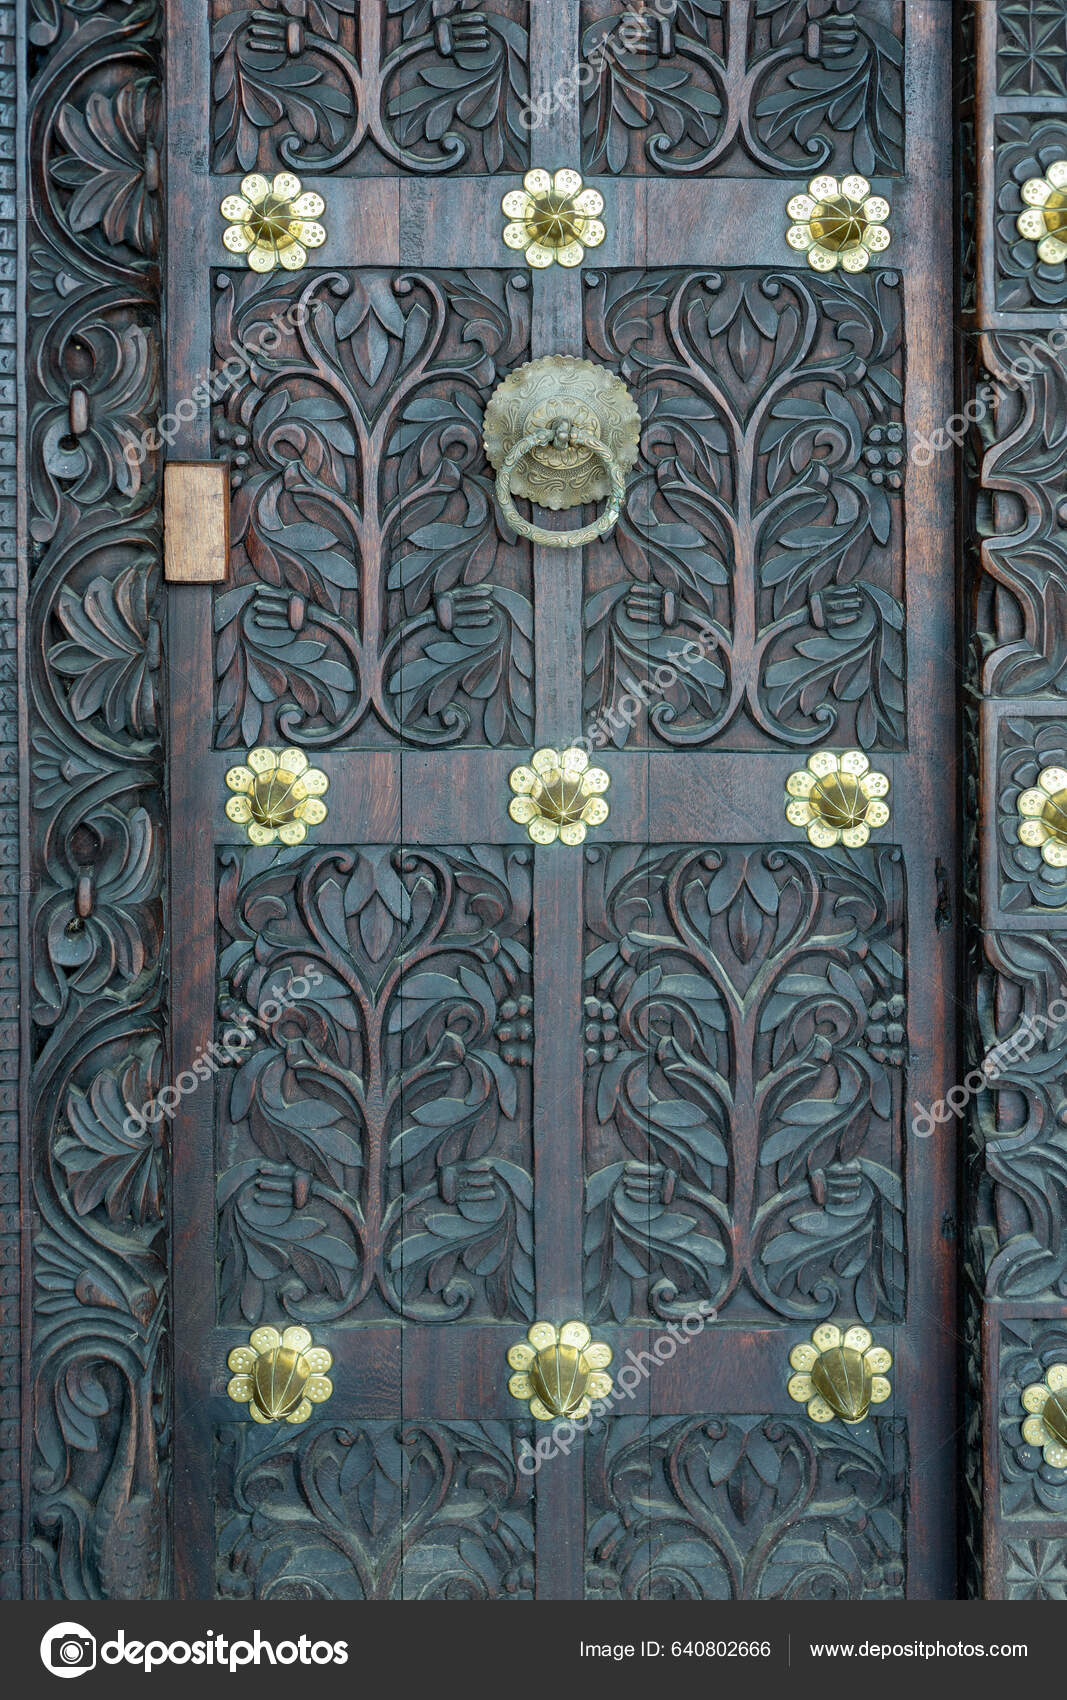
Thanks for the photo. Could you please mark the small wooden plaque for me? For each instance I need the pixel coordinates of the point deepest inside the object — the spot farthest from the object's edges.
(196, 521)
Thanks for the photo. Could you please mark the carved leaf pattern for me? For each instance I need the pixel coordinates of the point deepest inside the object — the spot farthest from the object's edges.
(761, 517)
(374, 1154)
(411, 85)
(775, 86)
(374, 1511)
(742, 1122)
(100, 1441)
(745, 1508)
(373, 591)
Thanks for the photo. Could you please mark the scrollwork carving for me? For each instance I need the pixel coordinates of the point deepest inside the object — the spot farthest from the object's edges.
(741, 1508)
(775, 86)
(413, 85)
(101, 1392)
(375, 1511)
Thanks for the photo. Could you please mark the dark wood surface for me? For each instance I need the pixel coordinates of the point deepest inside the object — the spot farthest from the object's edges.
(1015, 1282)
(420, 1422)
(726, 794)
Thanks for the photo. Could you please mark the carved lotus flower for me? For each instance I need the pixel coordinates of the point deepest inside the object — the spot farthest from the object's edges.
(273, 223)
(1046, 1426)
(558, 796)
(1044, 816)
(279, 1376)
(559, 1371)
(1045, 218)
(839, 1374)
(838, 223)
(277, 795)
(553, 219)
(837, 798)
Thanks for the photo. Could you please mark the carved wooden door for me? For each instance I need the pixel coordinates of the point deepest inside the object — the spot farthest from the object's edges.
(671, 1073)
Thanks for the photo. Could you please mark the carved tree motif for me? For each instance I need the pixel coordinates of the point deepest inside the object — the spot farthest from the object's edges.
(773, 86)
(101, 1393)
(374, 1153)
(374, 1511)
(374, 592)
(745, 1508)
(410, 85)
(743, 1100)
(762, 520)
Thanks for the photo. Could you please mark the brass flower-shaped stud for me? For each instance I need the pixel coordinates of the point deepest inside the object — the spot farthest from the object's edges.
(273, 223)
(279, 1376)
(277, 795)
(553, 219)
(1044, 816)
(558, 796)
(1047, 1425)
(838, 223)
(839, 1374)
(559, 1371)
(838, 798)
(1045, 218)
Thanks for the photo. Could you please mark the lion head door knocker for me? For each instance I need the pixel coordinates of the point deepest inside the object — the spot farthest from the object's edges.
(561, 431)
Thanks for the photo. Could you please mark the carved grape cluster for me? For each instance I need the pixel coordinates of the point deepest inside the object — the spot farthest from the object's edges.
(514, 1030)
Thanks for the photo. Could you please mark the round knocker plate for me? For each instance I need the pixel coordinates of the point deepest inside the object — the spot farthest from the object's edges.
(538, 398)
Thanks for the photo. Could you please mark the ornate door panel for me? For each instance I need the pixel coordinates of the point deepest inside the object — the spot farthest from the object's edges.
(465, 1082)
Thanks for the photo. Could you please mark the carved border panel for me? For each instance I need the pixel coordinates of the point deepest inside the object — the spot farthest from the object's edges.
(98, 1516)
(12, 881)
(1014, 375)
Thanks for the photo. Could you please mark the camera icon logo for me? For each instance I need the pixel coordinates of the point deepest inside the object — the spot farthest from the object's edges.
(68, 1650)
